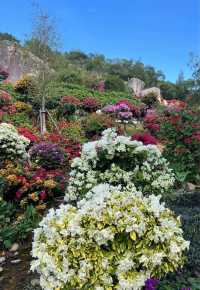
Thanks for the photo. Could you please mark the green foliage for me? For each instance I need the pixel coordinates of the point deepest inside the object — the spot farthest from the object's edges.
(4, 36)
(94, 124)
(66, 111)
(114, 83)
(11, 229)
(19, 119)
(57, 89)
(150, 99)
(74, 132)
(177, 281)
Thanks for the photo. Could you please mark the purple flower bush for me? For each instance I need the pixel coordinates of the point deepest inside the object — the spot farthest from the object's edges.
(122, 111)
(47, 155)
(109, 109)
(151, 284)
(125, 115)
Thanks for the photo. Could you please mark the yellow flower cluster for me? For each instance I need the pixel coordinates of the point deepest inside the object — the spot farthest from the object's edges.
(50, 184)
(9, 172)
(21, 106)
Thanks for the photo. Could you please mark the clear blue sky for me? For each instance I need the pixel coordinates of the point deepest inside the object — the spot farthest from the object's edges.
(158, 32)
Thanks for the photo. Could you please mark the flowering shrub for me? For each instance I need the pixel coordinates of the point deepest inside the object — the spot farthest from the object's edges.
(26, 132)
(12, 145)
(105, 244)
(145, 138)
(70, 100)
(48, 155)
(119, 160)
(5, 99)
(151, 284)
(26, 185)
(25, 86)
(72, 131)
(90, 104)
(95, 123)
(176, 105)
(22, 106)
(180, 130)
(71, 147)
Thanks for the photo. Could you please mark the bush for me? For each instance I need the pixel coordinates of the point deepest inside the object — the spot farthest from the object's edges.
(5, 99)
(13, 228)
(95, 123)
(114, 83)
(72, 131)
(105, 244)
(12, 145)
(180, 130)
(18, 119)
(47, 155)
(90, 104)
(145, 138)
(23, 107)
(150, 99)
(25, 86)
(66, 111)
(119, 161)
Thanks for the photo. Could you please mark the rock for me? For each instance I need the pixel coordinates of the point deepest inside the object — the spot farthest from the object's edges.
(136, 85)
(18, 62)
(15, 254)
(190, 186)
(2, 259)
(15, 261)
(14, 247)
(35, 282)
(1, 269)
(155, 91)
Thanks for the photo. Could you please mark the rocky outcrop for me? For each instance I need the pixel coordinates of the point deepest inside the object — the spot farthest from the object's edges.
(18, 62)
(137, 86)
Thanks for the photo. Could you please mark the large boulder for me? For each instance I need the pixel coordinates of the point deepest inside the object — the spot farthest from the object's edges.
(136, 85)
(18, 62)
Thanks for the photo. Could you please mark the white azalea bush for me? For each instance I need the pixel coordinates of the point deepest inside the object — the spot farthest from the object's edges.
(118, 160)
(12, 145)
(113, 239)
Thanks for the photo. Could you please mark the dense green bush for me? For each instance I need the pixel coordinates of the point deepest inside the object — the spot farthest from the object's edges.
(13, 226)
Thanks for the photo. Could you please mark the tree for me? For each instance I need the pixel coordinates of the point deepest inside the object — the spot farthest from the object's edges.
(43, 42)
(181, 78)
(8, 37)
(114, 83)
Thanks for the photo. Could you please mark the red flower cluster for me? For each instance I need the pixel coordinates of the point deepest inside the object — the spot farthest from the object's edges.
(145, 138)
(90, 104)
(176, 104)
(28, 134)
(70, 100)
(151, 121)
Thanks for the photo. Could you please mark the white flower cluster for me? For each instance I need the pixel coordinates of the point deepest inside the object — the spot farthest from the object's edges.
(12, 145)
(114, 240)
(118, 160)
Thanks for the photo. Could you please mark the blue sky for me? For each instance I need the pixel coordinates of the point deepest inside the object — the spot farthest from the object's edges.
(161, 33)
